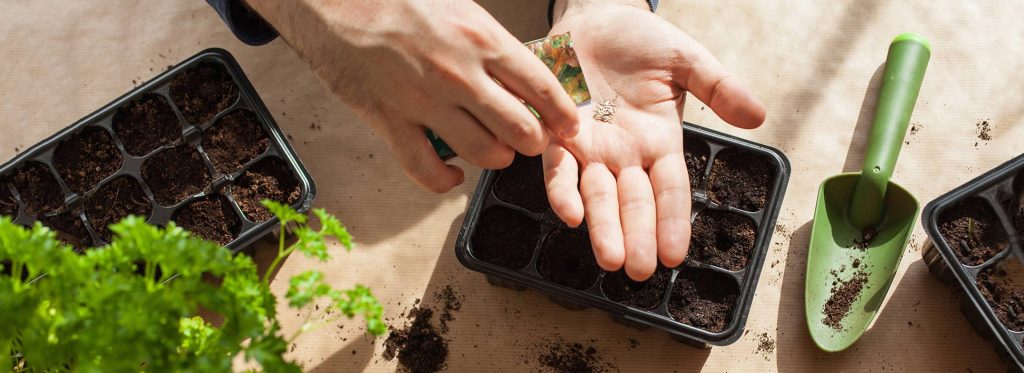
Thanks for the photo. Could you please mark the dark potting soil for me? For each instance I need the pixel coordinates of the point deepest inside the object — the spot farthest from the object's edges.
(867, 235)
(267, 179)
(696, 153)
(984, 130)
(70, 229)
(8, 205)
(723, 239)
(522, 184)
(146, 124)
(450, 301)
(203, 91)
(565, 357)
(38, 188)
(505, 238)
(234, 140)
(1017, 207)
(740, 179)
(175, 174)
(973, 231)
(1003, 287)
(210, 217)
(646, 295)
(86, 158)
(114, 201)
(703, 298)
(419, 347)
(566, 258)
(844, 294)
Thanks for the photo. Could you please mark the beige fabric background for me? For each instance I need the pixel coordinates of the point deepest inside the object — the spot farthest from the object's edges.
(811, 62)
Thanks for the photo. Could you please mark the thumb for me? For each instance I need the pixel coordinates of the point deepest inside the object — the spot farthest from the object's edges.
(698, 72)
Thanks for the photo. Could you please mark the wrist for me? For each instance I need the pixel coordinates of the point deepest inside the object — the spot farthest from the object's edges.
(568, 8)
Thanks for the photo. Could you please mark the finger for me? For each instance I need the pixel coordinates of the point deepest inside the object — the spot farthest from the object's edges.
(672, 198)
(413, 151)
(638, 214)
(705, 77)
(508, 119)
(523, 74)
(472, 141)
(601, 207)
(561, 177)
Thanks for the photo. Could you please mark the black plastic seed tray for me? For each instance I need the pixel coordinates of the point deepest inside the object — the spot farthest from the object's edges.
(194, 145)
(972, 232)
(511, 236)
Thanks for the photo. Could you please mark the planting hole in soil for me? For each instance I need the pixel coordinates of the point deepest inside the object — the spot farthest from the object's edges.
(844, 294)
(146, 124)
(210, 217)
(740, 179)
(522, 184)
(723, 239)
(8, 205)
(267, 179)
(973, 231)
(1003, 287)
(234, 140)
(38, 188)
(696, 153)
(566, 258)
(505, 238)
(175, 174)
(646, 295)
(86, 158)
(70, 229)
(703, 298)
(203, 91)
(115, 201)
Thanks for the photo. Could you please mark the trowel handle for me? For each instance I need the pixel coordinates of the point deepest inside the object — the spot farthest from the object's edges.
(901, 81)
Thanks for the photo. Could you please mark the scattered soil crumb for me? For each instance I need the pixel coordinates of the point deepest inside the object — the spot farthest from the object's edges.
(633, 343)
(984, 130)
(419, 346)
(844, 293)
(765, 345)
(865, 241)
(450, 301)
(562, 356)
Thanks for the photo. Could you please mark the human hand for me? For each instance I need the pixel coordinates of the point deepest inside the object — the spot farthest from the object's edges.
(633, 189)
(405, 66)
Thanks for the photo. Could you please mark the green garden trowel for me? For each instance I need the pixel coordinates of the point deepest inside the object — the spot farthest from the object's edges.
(862, 221)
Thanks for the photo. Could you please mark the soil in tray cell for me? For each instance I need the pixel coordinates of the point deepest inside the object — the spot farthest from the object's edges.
(723, 239)
(741, 179)
(566, 258)
(115, 201)
(146, 124)
(646, 295)
(270, 179)
(505, 238)
(1017, 207)
(8, 205)
(703, 298)
(972, 230)
(203, 91)
(86, 158)
(234, 140)
(38, 188)
(211, 218)
(175, 174)
(522, 184)
(1003, 287)
(696, 153)
(70, 229)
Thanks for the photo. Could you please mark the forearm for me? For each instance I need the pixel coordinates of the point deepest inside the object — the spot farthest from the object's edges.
(566, 8)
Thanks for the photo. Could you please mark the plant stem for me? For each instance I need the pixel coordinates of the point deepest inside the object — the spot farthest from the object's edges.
(281, 253)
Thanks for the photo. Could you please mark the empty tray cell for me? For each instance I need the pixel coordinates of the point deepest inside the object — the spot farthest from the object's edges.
(741, 179)
(175, 174)
(210, 217)
(566, 258)
(8, 205)
(70, 229)
(114, 201)
(696, 152)
(1003, 287)
(146, 124)
(269, 179)
(703, 298)
(646, 295)
(38, 188)
(203, 91)
(234, 140)
(86, 158)
(505, 238)
(722, 238)
(522, 184)
(973, 231)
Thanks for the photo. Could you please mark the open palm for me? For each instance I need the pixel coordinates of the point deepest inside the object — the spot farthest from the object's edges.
(630, 171)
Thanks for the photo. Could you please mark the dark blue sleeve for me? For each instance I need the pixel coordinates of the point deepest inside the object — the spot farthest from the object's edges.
(243, 22)
(551, 9)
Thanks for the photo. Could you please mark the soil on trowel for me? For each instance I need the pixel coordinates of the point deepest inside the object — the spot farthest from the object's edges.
(844, 294)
